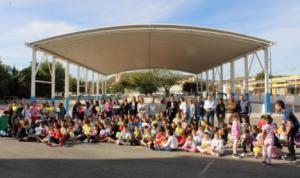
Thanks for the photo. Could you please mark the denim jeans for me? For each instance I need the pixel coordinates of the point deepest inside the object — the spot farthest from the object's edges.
(291, 142)
(210, 117)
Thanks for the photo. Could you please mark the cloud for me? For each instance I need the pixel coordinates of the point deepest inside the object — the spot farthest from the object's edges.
(12, 47)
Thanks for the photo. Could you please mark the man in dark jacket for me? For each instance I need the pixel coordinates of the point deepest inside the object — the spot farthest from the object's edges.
(172, 108)
(133, 106)
(243, 107)
(199, 109)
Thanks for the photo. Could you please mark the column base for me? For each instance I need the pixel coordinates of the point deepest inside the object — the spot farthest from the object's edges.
(267, 103)
(67, 104)
(32, 99)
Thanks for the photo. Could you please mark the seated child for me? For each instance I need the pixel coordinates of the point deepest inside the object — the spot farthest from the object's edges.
(170, 145)
(146, 137)
(182, 139)
(124, 137)
(188, 145)
(204, 148)
(217, 146)
(179, 129)
(247, 141)
(258, 143)
(55, 138)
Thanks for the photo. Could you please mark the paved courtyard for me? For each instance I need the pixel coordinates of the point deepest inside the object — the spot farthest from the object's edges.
(109, 160)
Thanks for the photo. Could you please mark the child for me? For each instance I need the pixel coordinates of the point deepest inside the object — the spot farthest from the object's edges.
(182, 139)
(188, 144)
(55, 138)
(204, 148)
(146, 137)
(268, 141)
(160, 138)
(124, 137)
(261, 122)
(217, 146)
(258, 143)
(179, 130)
(247, 141)
(170, 145)
(235, 133)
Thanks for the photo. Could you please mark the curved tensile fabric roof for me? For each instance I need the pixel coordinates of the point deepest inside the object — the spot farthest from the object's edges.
(122, 48)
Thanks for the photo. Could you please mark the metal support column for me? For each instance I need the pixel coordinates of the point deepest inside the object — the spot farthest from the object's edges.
(97, 86)
(213, 81)
(93, 85)
(78, 82)
(33, 76)
(201, 82)
(221, 80)
(86, 85)
(246, 81)
(197, 84)
(102, 83)
(53, 79)
(267, 82)
(67, 85)
(105, 87)
(232, 82)
(206, 81)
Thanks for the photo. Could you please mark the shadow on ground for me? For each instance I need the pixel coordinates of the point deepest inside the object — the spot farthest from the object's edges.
(181, 167)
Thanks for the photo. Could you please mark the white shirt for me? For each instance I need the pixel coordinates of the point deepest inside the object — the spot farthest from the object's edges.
(217, 144)
(141, 107)
(209, 105)
(183, 106)
(269, 130)
(172, 142)
(152, 109)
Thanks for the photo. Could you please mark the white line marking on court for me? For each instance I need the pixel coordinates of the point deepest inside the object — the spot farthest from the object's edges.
(207, 167)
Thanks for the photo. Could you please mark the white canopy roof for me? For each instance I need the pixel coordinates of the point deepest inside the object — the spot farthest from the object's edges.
(122, 48)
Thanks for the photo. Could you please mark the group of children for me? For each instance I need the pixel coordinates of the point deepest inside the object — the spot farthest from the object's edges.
(91, 124)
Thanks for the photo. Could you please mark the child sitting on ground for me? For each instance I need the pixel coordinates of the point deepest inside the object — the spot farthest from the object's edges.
(258, 143)
(217, 146)
(170, 145)
(146, 136)
(55, 138)
(204, 148)
(189, 145)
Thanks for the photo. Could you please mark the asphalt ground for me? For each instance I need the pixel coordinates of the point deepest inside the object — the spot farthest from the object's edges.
(20, 159)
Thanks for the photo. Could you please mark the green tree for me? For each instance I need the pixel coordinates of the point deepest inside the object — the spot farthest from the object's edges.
(166, 79)
(5, 75)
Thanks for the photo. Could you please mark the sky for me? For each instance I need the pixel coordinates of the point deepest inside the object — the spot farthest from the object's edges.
(276, 20)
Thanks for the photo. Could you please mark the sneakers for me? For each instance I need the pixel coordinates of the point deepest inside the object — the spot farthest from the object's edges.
(292, 160)
(268, 165)
(242, 155)
(264, 163)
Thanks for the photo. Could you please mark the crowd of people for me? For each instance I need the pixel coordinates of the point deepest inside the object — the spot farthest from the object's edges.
(168, 125)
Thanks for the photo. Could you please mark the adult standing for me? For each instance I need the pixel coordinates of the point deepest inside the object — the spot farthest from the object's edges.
(152, 108)
(210, 106)
(142, 107)
(108, 108)
(190, 110)
(292, 127)
(133, 106)
(125, 107)
(172, 108)
(221, 111)
(183, 106)
(243, 107)
(230, 108)
(199, 109)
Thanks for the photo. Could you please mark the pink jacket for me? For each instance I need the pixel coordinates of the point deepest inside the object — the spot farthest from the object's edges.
(235, 129)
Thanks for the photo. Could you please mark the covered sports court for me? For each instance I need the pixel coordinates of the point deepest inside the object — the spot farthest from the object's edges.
(111, 50)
